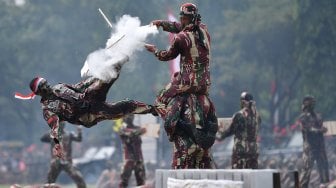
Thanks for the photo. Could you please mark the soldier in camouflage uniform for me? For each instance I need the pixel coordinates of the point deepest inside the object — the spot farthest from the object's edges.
(174, 103)
(185, 99)
(313, 143)
(81, 104)
(132, 153)
(192, 43)
(57, 165)
(244, 126)
(192, 131)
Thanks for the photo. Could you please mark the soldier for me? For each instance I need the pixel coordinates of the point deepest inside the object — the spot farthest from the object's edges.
(185, 99)
(132, 152)
(81, 104)
(244, 126)
(57, 165)
(192, 42)
(313, 143)
(193, 131)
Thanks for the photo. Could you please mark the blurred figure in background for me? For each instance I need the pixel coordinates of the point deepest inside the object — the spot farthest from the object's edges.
(57, 165)
(107, 178)
(313, 143)
(132, 152)
(244, 126)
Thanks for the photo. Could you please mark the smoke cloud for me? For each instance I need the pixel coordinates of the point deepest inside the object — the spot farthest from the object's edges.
(127, 37)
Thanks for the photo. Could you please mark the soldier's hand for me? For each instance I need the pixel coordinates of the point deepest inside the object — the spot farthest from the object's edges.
(58, 151)
(157, 23)
(324, 129)
(151, 48)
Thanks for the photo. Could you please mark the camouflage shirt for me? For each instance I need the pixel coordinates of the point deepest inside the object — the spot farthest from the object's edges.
(311, 125)
(131, 140)
(244, 127)
(67, 102)
(195, 58)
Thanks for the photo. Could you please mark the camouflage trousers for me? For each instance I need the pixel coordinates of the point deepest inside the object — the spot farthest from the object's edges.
(322, 165)
(56, 167)
(97, 112)
(139, 172)
(188, 155)
(247, 161)
(170, 91)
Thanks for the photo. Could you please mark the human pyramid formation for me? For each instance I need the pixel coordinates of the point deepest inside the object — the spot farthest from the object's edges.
(183, 104)
(189, 115)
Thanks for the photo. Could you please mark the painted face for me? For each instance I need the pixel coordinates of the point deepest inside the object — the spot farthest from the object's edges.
(185, 20)
(43, 87)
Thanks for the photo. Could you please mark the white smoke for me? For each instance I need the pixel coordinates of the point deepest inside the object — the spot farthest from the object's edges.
(128, 36)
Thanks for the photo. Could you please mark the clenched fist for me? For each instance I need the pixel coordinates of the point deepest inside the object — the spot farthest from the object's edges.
(151, 48)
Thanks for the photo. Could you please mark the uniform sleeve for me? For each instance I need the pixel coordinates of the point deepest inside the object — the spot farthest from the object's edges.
(53, 122)
(83, 85)
(172, 27)
(173, 51)
(232, 128)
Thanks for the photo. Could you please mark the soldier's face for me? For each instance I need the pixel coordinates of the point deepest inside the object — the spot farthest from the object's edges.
(308, 106)
(185, 20)
(43, 88)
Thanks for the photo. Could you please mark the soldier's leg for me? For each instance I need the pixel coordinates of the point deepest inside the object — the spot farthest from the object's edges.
(184, 150)
(140, 173)
(126, 173)
(237, 162)
(308, 163)
(110, 111)
(171, 91)
(205, 160)
(122, 108)
(54, 171)
(252, 161)
(173, 115)
(75, 175)
(323, 166)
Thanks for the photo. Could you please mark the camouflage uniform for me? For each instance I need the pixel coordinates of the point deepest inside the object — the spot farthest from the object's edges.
(84, 104)
(57, 165)
(194, 75)
(244, 126)
(313, 145)
(132, 153)
(196, 110)
(184, 103)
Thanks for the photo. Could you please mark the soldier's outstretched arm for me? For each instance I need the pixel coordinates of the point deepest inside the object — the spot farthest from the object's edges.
(55, 134)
